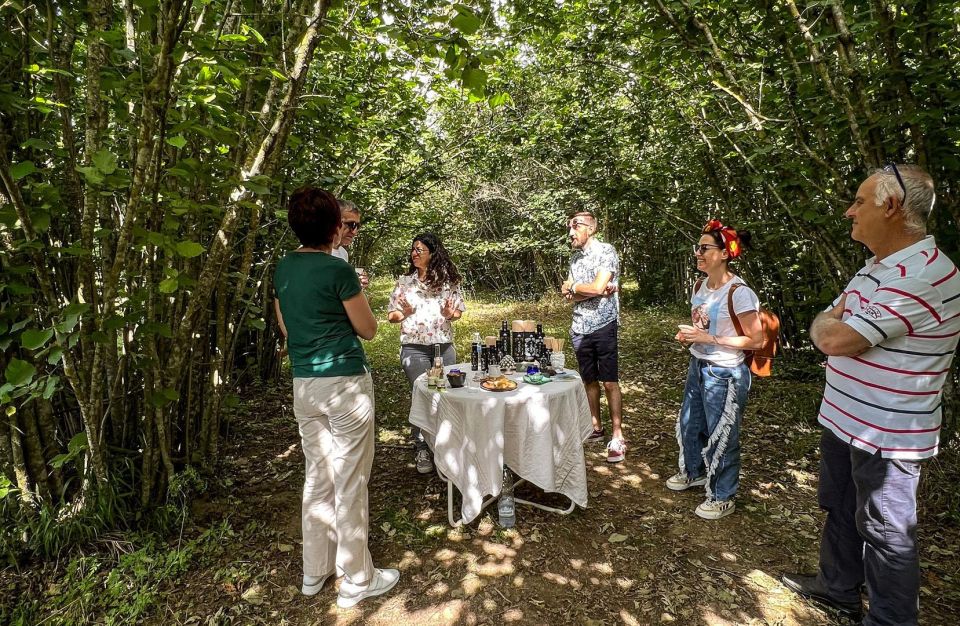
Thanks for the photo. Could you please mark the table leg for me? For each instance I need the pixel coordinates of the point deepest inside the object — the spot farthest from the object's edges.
(543, 507)
(459, 522)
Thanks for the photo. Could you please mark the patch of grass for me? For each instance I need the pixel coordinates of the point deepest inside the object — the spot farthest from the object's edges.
(118, 588)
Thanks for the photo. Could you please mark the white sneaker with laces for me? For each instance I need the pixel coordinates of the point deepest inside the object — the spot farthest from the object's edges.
(424, 462)
(313, 584)
(680, 481)
(715, 509)
(383, 581)
(616, 450)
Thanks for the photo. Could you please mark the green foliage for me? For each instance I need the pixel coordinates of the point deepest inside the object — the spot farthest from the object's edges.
(119, 588)
(48, 533)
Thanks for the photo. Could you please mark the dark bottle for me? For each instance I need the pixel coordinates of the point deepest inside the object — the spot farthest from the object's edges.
(539, 346)
(505, 336)
(517, 346)
(475, 353)
(484, 358)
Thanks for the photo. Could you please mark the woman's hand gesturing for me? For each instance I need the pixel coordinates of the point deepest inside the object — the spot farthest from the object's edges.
(449, 309)
(405, 307)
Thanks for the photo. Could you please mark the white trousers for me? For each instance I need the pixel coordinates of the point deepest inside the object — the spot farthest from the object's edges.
(336, 420)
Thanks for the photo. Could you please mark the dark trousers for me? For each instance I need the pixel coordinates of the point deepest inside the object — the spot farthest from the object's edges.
(871, 531)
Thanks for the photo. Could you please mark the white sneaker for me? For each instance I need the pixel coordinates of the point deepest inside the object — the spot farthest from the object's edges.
(383, 581)
(680, 481)
(312, 584)
(715, 509)
(423, 460)
(616, 450)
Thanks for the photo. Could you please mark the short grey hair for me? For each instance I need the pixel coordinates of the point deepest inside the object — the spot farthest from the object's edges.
(920, 194)
(347, 207)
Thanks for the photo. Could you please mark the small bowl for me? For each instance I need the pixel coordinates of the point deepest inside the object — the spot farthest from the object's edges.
(457, 379)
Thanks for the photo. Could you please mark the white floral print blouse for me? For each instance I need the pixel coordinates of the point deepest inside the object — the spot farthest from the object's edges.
(426, 325)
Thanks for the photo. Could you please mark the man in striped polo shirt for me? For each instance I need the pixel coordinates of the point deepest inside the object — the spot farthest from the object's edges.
(890, 338)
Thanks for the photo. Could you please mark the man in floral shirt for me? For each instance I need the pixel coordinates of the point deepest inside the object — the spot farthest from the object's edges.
(592, 287)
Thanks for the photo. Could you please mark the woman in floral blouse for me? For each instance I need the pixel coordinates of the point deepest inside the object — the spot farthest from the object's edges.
(425, 302)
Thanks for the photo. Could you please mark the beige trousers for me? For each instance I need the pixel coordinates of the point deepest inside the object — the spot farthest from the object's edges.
(336, 421)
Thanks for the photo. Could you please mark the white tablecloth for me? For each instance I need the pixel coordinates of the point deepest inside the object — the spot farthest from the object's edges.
(537, 431)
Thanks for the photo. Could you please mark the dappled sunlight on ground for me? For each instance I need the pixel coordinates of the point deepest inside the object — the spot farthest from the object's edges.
(636, 555)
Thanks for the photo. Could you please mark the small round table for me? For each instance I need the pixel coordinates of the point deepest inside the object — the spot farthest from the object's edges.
(537, 431)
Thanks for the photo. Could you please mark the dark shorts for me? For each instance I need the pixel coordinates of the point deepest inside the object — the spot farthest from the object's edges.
(597, 354)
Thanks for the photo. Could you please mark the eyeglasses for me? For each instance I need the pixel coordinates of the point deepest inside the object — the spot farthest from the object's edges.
(354, 226)
(417, 250)
(892, 167)
(701, 248)
(577, 224)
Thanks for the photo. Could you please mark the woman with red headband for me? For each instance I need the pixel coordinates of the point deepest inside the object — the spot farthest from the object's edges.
(718, 380)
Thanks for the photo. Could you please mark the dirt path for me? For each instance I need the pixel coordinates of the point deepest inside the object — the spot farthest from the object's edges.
(673, 568)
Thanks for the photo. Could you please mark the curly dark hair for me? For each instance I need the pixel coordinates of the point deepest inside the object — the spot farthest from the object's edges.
(314, 216)
(440, 270)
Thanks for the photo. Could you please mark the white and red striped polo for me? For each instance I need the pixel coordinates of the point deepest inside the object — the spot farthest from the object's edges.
(889, 398)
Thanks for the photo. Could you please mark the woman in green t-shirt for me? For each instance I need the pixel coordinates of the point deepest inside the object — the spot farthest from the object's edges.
(323, 314)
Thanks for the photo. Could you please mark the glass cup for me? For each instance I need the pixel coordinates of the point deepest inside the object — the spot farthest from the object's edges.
(473, 382)
(362, 275)
(557, 361)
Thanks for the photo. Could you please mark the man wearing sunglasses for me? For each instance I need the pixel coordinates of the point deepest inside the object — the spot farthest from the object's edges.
(592, 287)
(890, 338)
(350, 216)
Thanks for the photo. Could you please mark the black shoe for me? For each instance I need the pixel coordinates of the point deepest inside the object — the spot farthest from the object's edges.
(809, 587)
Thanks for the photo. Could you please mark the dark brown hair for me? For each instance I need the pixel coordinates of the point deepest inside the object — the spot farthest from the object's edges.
(314, 216)
(440, 269)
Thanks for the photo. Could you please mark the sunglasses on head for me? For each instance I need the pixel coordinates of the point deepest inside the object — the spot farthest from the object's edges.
(352, 225)
(892, 167)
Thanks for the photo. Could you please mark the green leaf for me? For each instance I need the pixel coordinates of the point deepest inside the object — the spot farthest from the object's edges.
(474, 79)
(53, 382)
(189, 249)
(91, 174)
(54, 356)
(168, 285)
(177, 142)
(19, 372)
(500, 99)
(6, 487)
(105, 161)
(466, 20)
(22, 169)
(76, 308)
(35, 339)
(78, 443)
(256, 187)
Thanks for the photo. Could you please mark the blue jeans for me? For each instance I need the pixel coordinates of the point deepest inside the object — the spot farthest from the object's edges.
(708, 428)
(871, 530)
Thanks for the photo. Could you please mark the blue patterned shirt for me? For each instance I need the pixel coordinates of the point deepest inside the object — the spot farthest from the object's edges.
(592, 314)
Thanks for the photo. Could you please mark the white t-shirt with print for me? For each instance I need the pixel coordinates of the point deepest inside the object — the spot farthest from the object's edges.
(709, 312)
